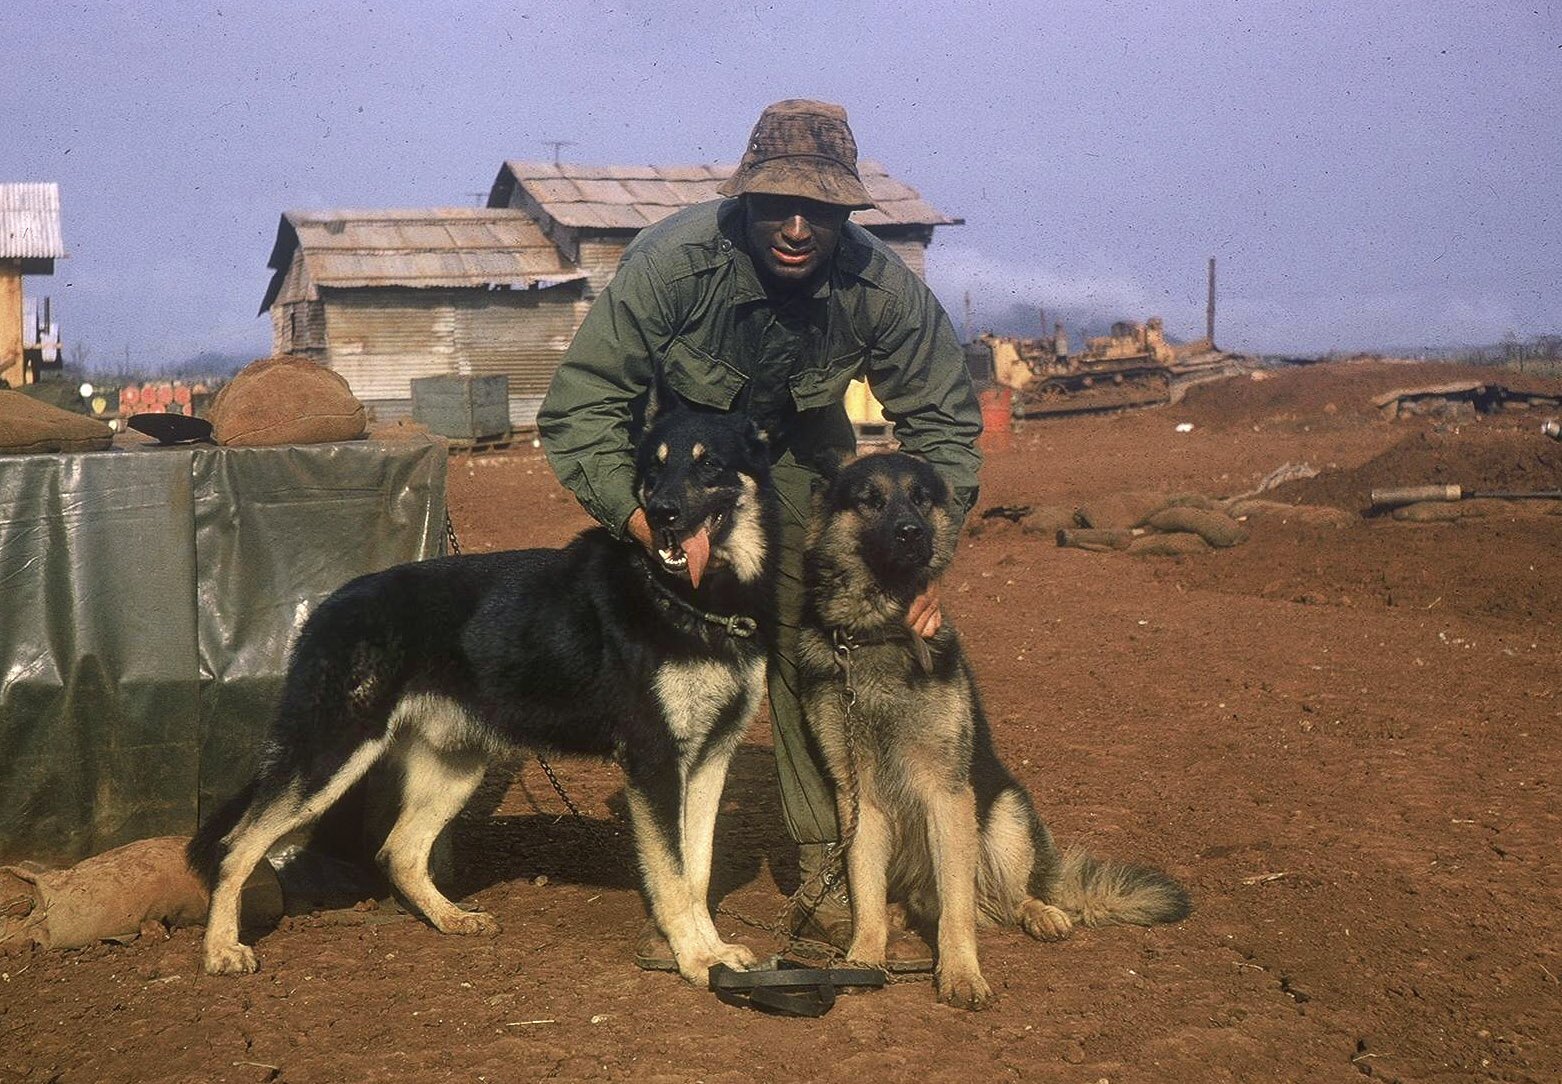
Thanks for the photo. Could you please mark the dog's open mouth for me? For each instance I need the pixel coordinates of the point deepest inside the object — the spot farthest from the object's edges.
(689, 554)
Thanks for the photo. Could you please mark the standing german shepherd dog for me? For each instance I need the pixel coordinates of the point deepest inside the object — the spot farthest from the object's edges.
(598, 648)
(941, 824)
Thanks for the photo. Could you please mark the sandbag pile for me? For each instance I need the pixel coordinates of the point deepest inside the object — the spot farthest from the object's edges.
(1149, 524)
(31, 427)
(285, 400)
(1153, 524)
(133, 891)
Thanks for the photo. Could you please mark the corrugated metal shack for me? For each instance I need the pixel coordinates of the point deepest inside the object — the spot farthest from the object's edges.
(593, 212)
(30, 242)
(386, 296)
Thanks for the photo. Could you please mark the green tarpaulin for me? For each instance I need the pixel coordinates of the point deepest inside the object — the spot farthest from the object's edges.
(147, 601)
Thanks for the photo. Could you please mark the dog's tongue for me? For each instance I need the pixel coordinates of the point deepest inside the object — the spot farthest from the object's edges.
(697, 549)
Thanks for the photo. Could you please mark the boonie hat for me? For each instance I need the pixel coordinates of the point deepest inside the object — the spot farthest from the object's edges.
(801, 148)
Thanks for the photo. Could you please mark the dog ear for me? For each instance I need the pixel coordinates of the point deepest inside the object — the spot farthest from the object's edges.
(831, 461)
(660, 398)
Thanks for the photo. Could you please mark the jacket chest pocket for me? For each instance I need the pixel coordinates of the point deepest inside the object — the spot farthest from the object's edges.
(826, 385)
(700, 377)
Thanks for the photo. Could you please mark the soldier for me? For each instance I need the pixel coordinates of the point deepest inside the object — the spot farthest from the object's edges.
(770, 302)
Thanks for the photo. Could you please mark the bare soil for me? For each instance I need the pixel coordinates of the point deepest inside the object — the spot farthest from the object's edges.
(1343, 739)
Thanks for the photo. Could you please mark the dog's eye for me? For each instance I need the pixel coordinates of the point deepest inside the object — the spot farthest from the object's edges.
(868, 497)
(921, 498)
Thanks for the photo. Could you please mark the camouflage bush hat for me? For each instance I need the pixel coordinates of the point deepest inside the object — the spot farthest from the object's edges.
(801, 148)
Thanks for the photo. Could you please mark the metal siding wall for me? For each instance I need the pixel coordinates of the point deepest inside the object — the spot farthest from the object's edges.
(521, 334)
(379, 339)
(599, 260)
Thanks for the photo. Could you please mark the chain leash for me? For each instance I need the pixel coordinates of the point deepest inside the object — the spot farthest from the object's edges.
(453, 547)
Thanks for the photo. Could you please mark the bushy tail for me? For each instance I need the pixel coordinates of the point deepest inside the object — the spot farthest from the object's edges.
(206, 850)
(1101, 892)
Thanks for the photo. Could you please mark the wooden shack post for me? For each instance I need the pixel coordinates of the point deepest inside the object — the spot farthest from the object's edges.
(12, 369)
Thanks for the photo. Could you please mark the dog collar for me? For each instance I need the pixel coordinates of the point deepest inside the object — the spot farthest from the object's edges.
(738, 626)
(846, 642)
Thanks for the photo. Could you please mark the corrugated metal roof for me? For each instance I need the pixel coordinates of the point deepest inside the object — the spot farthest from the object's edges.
(30, 221)
(445, 246)
(631, 197)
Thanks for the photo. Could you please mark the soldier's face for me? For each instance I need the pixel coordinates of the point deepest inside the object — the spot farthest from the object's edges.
(792, 239)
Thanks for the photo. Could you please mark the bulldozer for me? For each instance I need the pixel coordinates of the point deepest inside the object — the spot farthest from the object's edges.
(1131, 367)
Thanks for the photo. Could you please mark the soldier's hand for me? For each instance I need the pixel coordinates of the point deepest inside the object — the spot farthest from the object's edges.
(926, 615)
(639, 528)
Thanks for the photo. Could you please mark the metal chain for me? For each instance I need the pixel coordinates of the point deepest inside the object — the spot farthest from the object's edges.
(823, 878)
(453, 544)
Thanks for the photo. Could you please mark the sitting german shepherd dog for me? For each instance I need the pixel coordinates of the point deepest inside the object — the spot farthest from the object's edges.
(598, 648)
(940, 823)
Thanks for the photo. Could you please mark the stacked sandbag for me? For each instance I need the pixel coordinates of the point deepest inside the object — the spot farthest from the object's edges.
(1151, 524)
(1308, 515)
(286, 400)
(31, 427)
(1473, 508)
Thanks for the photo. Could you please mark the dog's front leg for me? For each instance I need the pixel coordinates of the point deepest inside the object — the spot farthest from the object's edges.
(701, 800)
(867, 877)
(682, 914)
(952, 846)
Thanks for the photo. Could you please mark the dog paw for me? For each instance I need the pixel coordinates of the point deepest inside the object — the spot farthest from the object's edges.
(234, 959)
(964, 990)
(468, 924)
(737, 957)
(695, 967)
(866, 955)
(1045, 922)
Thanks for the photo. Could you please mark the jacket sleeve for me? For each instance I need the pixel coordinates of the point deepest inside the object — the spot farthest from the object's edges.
(918, 373)
(599, 390)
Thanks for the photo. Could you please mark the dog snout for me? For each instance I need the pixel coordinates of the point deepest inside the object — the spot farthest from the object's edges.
(661, 512)
(908, 532)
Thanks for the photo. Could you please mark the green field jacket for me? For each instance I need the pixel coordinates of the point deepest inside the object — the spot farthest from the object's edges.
(687, 303)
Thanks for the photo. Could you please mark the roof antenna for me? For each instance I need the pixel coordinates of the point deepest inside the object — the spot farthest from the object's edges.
(557, 144)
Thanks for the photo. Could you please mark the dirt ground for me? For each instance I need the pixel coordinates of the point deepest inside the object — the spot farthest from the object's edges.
(1342, 738)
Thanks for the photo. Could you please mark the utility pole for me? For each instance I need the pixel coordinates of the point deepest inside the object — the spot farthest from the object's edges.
(967, 336)
(1209, 311)
(557, 145)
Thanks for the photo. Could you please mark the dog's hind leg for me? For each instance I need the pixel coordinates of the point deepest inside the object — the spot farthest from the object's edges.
(1014, 843)
(436, 783)
(280, 807)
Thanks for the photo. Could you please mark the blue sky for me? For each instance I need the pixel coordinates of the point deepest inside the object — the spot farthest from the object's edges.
(1370, 175)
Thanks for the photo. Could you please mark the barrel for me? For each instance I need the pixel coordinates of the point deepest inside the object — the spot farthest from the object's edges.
(997, 419)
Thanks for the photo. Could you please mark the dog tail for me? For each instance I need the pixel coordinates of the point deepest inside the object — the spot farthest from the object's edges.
(206, 849)
(1104, 892)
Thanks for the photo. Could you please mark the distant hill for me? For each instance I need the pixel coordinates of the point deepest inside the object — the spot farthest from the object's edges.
(208, 363)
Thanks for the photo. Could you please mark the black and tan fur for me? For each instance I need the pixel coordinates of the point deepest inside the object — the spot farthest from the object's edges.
(599, 648)
(941, 825)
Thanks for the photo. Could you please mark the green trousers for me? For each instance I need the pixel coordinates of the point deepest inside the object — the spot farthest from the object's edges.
(807, 796)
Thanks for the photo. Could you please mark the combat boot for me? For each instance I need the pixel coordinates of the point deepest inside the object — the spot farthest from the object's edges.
(823, 913)
(822, 910)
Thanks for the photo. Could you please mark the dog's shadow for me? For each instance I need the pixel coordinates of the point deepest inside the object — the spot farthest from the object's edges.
(493, 848)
